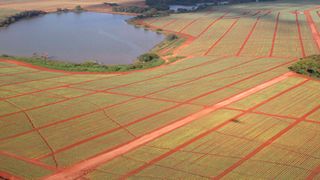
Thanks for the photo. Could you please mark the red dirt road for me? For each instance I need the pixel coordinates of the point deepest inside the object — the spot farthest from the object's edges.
(313, 28)
(9, 176)
(81, 168)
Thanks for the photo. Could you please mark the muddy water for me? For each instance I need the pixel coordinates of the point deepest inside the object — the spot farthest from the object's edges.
(78, 37)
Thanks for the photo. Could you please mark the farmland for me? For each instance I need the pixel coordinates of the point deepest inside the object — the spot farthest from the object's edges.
(229, 109)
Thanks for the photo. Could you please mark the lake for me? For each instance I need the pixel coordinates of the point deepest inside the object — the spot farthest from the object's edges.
(78, 37)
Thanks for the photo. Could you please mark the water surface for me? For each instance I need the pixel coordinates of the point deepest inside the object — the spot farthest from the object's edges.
(78, 37)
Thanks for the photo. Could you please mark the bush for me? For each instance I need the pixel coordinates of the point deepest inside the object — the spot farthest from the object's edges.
(111, 4)
(78, 8)
(309, 66)
(148, 57)
(171, 37)
(88, 66)
(25, 14)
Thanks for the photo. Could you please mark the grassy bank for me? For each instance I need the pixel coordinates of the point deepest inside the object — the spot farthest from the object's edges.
(9, 19)
(309, 66)
(87, 66)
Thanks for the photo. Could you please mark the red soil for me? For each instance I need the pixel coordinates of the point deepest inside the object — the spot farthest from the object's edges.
(303, 53)
(313, 28)
(274, 35)
(9, 176)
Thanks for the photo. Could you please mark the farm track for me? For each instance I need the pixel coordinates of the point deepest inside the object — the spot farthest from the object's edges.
(159, 85)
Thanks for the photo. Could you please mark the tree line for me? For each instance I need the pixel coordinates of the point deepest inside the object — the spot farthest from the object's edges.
(14, 18)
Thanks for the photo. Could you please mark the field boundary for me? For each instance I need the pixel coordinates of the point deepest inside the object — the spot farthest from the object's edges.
(313, 27)
(275, 35)
(9, 176)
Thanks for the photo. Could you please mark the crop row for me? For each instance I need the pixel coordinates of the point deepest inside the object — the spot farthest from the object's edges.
(201, 45)
(261, 39)
(232, 42)
(296, 102)
(287, 42)
(293, 155)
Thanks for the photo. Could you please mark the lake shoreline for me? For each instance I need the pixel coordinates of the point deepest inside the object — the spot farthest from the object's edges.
(99, 68)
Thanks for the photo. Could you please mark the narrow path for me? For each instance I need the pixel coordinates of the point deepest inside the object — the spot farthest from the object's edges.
(303, 53)
(274, 35)
(6, 175)
(313, 28)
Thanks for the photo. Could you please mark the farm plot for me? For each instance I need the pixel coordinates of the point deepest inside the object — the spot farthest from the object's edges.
(162, 23)
(308, 42)
(316, 18)
(141, 127)
(241, 32)
(125, 80)
(216, 66)
(293, 155)
(261, 39)
(25, 78)
(183, 21)
(267, 93)
(201, 25)
(216, 82)
(22, 168)
(315, 116)
(296, 102)
(201, 45)
(15, 70)
(287, 43)
(237, 87)
(147, 152)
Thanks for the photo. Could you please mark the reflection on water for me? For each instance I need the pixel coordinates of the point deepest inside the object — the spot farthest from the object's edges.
(78, 37)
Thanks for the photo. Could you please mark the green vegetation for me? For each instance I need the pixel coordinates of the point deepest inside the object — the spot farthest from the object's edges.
(171, 37)
(131, 9)
(148, 57)
(144, 12)
(145, 61)
(78, 9)
(4, 13)
(181, 2)
(171, 42)
(18, 16)
(111, 4)
(309, 66)
(175, 58)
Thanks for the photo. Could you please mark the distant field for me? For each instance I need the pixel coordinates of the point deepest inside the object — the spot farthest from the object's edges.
(52, 5)
(229, 110)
